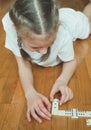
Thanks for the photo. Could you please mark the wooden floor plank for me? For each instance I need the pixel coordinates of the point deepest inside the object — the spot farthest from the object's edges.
(12, 101)
(83, 82)
(18, 96)
(88, 58)
(13, 117)
(33, 125)
(4, 108)
(10, 85)
(58, 122)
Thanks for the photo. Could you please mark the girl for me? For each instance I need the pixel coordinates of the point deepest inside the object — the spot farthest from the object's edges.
(37, 31)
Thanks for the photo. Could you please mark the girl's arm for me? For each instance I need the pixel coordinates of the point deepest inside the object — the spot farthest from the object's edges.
(26, 77)
(37, 104)
(62, 81)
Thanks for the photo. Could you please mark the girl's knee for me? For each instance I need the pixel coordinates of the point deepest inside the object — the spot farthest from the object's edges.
(90, 27)
(87, 9)
(87, 12)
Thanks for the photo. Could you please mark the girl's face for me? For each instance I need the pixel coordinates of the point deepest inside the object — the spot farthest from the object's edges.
(39, 44)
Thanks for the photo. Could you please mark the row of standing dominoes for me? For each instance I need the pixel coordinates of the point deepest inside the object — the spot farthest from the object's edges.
(74, 113)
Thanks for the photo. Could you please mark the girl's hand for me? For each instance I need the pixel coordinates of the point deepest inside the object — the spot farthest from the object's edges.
(38, 106)
(66, 92)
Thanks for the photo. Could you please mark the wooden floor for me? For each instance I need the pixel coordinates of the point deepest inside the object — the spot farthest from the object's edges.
(12, 100)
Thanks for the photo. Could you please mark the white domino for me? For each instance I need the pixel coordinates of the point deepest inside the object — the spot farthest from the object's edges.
(88, 122)
(64, 113)
(74, 113)
(55, 104)
(84, 113)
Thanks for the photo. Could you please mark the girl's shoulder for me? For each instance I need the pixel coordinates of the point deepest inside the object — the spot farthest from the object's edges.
(7, 23)
(8, 26)
(67, 13)
(66, 10)
(11, 35)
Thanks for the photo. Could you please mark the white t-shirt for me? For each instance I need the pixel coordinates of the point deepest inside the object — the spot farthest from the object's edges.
(73, 25)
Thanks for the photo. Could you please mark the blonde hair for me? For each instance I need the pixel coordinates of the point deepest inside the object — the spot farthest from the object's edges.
(37, 16)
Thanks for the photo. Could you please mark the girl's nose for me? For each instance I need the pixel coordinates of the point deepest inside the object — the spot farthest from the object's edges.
(43, 51)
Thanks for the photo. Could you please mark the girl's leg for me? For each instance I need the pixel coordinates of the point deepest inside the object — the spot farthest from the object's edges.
(87, 12)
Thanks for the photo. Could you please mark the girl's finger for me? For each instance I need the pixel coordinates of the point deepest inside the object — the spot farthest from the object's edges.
(46, 102)
(35, 116)
(71, 94)
(40, 113)
(28, 116)
(62, 99)
(44, 110)
(53, 92)
(67, 95)
(63, 96)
